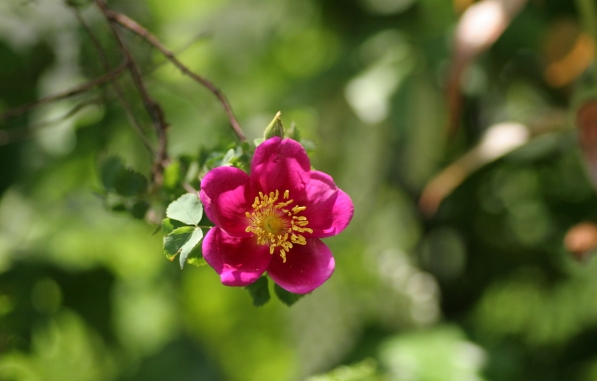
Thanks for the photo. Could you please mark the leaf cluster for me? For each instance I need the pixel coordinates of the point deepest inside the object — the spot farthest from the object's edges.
(123, 188)
(182, 233)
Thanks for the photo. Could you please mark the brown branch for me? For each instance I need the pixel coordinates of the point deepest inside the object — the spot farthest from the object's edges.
(117, 88)
(134, 27)
(65, 94)
(152, 107)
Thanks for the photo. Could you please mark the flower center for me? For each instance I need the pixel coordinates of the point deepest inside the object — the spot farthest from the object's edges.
(275, 224)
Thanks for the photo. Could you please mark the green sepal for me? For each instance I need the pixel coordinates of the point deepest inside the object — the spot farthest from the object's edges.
(286, 297)
(187, 208)
(275, 128)
(294, 132)
(259, 291)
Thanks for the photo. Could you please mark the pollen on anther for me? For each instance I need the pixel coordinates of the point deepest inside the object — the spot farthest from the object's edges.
(287, 231)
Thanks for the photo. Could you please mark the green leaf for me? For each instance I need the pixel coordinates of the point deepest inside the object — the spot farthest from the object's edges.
(196, 261)
(259, 291)
(172, 175)
(110, 171)
(228, 156)
(275, 128)
(168, 225)
(130, 183)
(286, 297)
(139, 209)
(182, 241)
(174, 241)
(194, 239)
(187, 208)
(118, 207)
(195, 257)
(117, 178)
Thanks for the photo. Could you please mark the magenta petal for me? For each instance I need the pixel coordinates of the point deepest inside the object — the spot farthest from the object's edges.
(306, 268)
(239, 261)
(280, 165)
(329, 209)
(223, 194)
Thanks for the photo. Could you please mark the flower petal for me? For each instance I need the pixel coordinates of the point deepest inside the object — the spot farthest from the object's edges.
(280, 165)
(306, 268)
(239, 261)
(329, 209)
(223, 194)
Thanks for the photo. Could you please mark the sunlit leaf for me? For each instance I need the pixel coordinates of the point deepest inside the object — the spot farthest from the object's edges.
(174, 241)
(196, 261)
(187, 208)
(193, 240)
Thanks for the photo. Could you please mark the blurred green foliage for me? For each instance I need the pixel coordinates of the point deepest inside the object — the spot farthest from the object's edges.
(483, 289)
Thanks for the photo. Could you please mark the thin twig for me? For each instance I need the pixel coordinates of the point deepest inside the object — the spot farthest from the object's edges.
(134, 27)
(115, 85)
(21, 133)
(153, 108)
(189, 188)
(65, 94)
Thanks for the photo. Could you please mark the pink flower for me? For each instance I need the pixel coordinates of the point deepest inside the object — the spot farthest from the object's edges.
(272, 220)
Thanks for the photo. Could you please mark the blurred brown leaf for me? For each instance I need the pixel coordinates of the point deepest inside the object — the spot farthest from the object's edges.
(586, 120)
(568, 52)
(581, 239)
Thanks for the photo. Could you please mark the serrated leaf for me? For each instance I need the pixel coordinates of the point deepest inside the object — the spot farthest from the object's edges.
(110, 171)
(187, 208)
(174, 241)
(130, 183)
(286, 297)
(168, 225)
(259, 291)
(193, 240)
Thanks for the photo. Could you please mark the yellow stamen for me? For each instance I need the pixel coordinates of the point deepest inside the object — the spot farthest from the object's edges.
(275, 226)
